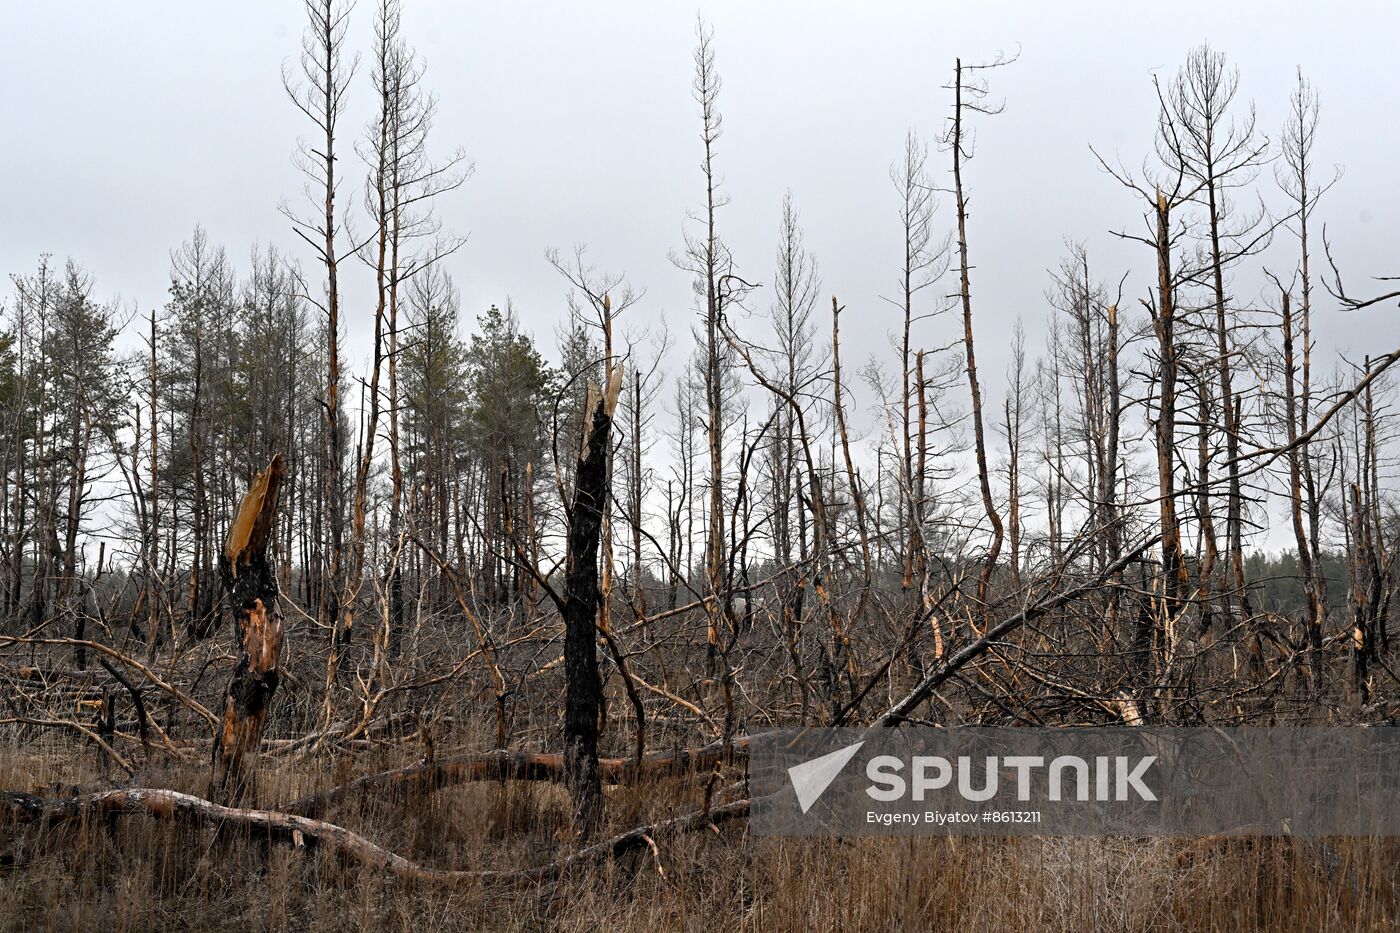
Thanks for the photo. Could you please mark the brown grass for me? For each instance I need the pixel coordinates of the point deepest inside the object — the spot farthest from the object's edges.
(136, 874)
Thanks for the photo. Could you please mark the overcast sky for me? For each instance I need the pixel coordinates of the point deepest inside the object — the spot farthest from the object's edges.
(126, 124)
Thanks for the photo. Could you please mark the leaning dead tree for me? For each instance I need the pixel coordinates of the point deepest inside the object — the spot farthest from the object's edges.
(969, 97)
(250, 585)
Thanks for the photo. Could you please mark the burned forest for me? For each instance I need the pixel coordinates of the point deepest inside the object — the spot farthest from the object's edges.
(334, 597)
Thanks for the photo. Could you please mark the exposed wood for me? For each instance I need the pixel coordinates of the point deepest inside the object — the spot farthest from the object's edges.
(299, 830)
(250, 586)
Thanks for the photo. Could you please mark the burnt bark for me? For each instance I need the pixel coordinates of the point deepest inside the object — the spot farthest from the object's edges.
(250, 587)
(583, 689)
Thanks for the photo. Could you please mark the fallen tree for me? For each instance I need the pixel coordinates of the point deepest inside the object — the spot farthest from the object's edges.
(295, 822)
(532, 766)
(522, 766)
(978, 646)
(304, 831)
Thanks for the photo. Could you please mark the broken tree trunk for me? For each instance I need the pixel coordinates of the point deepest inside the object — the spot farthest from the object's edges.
(1055, 598)
(301, 831)
(250, 585)
(583, 691)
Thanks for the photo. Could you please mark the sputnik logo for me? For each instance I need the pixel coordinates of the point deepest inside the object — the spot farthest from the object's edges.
(811, 778)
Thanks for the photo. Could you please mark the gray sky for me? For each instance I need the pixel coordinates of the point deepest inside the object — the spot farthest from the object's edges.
(128, 123)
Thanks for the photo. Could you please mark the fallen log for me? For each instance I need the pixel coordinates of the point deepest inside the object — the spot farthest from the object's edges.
(464, 768)
(300, 830)
(184, 698)
(295, 824)
(521, 766)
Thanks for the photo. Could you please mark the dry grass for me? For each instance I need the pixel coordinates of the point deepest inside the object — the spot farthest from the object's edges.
(136, 874)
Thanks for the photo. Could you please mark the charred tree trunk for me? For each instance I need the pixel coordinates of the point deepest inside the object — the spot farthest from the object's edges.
(583, 690)
(250, 586)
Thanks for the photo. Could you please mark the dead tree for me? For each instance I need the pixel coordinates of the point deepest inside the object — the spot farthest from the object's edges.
(1049, 379)
(379, 152)
(1369, 560)
(415, 243)
(1295, 177)
(1164, 197)
(923, 264)
(250, 586)
(320, 94)
(1307, 571)
(709, 260)
(852, 478)
(1012, 425)
(969, 96)
(798, 365)
(583, 690)
(1218, 156)
(154, 588)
